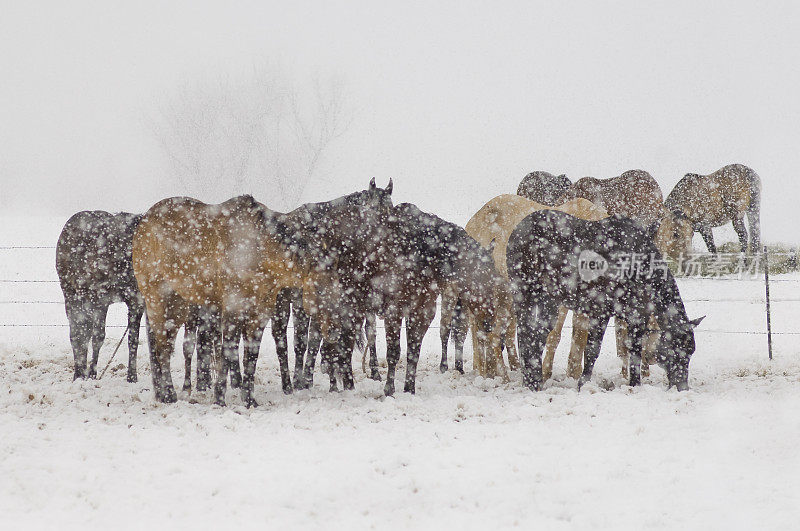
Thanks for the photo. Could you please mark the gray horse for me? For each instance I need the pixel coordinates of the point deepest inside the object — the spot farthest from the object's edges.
(544, 187)
(93, 261)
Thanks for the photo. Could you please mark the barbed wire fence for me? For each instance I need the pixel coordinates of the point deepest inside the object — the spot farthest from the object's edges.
(719, 267)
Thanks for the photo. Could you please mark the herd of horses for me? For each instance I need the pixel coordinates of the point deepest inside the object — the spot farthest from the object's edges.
(224, 272)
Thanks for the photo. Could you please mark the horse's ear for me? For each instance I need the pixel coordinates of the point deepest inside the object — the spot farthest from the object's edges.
(697, 321)
(492, 245)
(389, 187)
(372, 184)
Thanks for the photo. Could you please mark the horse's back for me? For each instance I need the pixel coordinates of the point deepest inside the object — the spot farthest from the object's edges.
(93, 252)
(717, 197)
(543, 187)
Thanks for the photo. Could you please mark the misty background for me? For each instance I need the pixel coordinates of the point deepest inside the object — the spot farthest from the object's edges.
(456, 101)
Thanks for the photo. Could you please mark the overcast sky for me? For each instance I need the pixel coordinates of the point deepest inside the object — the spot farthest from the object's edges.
(455, 101)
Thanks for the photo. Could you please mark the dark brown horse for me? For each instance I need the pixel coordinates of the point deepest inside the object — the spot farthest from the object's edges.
(423, 255)
(699, 203)
(93, 261)
(232, 259)
(544, 187)
(349, 228)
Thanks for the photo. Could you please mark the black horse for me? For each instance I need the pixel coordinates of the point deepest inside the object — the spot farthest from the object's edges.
(93, 261)
(601, 269)
(544, 187)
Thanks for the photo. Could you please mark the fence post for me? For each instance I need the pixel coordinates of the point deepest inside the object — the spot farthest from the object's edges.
(766, 284)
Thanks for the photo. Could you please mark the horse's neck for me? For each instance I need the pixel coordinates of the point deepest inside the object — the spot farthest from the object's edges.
(667, 300)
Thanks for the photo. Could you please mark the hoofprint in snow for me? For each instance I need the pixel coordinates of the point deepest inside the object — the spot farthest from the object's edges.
(463, 451)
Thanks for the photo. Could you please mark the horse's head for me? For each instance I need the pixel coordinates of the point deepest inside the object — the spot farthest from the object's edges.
(675, 348)
(373, 197)
(674, 235)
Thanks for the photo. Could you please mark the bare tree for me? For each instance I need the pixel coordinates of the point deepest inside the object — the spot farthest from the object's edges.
(259, 133)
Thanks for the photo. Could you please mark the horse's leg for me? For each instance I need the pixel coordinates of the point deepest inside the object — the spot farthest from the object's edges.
(300, 320)
(165, 317)
(233, 365)
(231, 331)
(741, 232)
(621, 334)
(534, 319)
(208, 346)
(371, 332)
(98, 335)
(253, 331)
(314, 344)
(478, 355)
(280, 321)
(597, 329)
(189, 344)
(553, 338)
(346, 344)
(80, 330)
(416, 326)
(708, 237)
(511, 347)
(135, 313)
(449, 303)
(636, 332)
(328, 354)
(393, 325)
(460, 328)
(754, 220)
(580, 335)
(649, 345)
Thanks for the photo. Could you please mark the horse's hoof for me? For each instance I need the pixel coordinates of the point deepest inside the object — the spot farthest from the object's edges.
(169, 396)
(334, 388)
(409, 388)
(132, 378)
(219, 396)
(300, 383)
(287, 389)
(375, 375)
(388, 390)
(443, 367)
(187, 388)
(460, 367)
(93, 374)
(249, 401)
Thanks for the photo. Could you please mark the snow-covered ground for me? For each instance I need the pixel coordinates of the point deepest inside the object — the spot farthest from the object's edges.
(464, 452)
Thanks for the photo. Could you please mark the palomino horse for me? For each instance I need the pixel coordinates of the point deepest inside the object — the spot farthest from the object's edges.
(494, 223)
(546, 256)
(93, 261)
(421, 255)
(544, 188)
(700, 202)
(233, 259)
